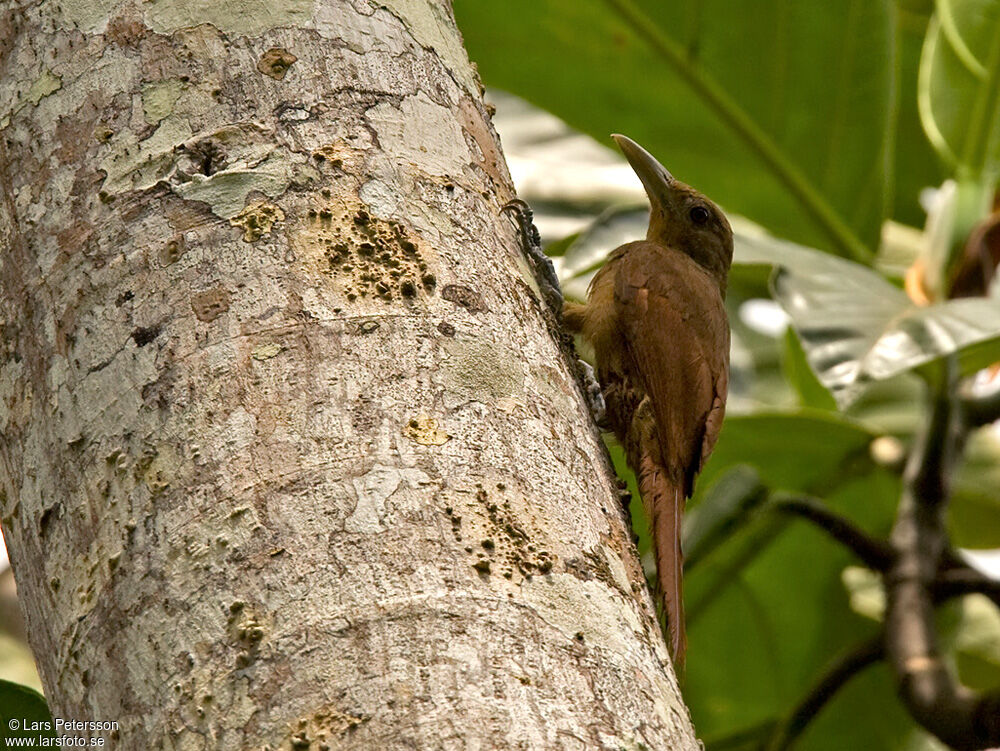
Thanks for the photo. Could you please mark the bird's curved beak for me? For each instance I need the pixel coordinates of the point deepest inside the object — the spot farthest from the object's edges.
(656, 179)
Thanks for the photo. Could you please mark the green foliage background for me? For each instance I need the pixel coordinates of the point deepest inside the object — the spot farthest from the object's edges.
(819, 122)
(21, 710)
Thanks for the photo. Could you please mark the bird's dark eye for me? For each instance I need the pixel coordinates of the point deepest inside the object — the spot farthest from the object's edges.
(699, 214)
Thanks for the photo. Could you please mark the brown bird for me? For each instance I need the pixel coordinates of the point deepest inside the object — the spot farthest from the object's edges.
(656, 319)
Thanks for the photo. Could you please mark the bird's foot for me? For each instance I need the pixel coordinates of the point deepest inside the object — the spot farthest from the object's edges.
(624, 494)
(545, 272)
(595, 398)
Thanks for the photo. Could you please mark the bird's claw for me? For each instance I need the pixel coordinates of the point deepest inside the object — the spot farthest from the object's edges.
(595, 398)
(524, 217)
(545, 272)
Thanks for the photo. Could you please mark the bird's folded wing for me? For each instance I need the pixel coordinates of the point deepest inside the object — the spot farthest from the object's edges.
(674, 323)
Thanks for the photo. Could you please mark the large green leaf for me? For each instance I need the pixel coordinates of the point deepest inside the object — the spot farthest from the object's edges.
(959, 90)
(768, 611)
(767, 608)
(815, 453)
(974, 521)
(799, 451)
(810, 391)
(977, 642)
(793, 99)
(917, 165)
(24, 714)
(974, 518)
(729, 502)
(780, 612)
(587, 250)
(856, 327)
(807, 452)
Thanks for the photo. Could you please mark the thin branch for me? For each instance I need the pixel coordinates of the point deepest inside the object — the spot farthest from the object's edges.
(743, 738)
(983, 410)
(955, 579)
(961, 718)
(874, 553)
(848, 666)
(957, 582)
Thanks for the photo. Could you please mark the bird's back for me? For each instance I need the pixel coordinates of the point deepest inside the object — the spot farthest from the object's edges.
(658, 326)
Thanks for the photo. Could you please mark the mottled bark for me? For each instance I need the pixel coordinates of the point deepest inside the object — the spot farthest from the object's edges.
(289, 457)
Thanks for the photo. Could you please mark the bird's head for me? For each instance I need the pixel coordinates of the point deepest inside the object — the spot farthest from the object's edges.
(679, 215)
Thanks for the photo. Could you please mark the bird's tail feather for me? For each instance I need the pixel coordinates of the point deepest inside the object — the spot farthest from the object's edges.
(664, 502)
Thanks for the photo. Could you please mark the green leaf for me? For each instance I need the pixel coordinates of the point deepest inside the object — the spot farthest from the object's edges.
(916, 163)
(616, 226)
(767, 609)
(781, 616)
(974, 520)
(974, 511)
(24, 712)
(810, 391)
(586, 251)
(557, 248)
(811, 453)
(794, 99)
(726, 505)
(977, 643)
(856, 327)
(808, 452)
(959, 88)
(865, 714)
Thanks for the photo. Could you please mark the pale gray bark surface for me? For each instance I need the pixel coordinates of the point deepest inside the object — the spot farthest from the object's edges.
(289, 457)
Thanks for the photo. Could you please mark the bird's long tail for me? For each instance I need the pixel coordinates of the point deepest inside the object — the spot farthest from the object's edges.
(664, 502)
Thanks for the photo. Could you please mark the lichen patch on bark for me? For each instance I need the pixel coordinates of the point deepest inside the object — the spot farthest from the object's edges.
(159, 98)
(133, 165)
(367, 257)
(257, 219)
(372, 490)
(249, 17)
(411, 135)
(424, 429)
(276, 62)
(226, 190)
(323, 727)
(266, 352)
(45, 84)
(481, 371)
(432, 27)
(210, 304)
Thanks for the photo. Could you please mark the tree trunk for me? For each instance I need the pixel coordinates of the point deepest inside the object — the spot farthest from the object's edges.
(289, 457)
